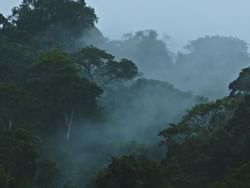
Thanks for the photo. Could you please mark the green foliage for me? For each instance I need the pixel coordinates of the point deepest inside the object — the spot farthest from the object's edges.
(16, 53)
(100, 66)
(55, 91)
(20, 163)
(6, 72)
(127, 171)
(34, 16)
(124, 70)
(199, 146)
(5, 179)
(201, 110)
(50, 92)
(239, 179)
(53, 23)
(18, 158)
(90, 59)
(16, 106)
(47, 174)
(54, 79)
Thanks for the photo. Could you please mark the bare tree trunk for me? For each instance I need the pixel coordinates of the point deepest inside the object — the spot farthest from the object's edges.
(69, 122)
(87, 69)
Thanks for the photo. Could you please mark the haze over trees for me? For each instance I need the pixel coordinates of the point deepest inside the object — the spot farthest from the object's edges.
(80, 111)
(201, 67)
(210, 63)
(145, 48)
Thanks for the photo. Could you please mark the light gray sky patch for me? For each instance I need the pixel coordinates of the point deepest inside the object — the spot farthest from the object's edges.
(183, 20)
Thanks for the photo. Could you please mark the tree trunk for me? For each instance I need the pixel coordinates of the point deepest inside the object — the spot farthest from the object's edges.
(69, 122)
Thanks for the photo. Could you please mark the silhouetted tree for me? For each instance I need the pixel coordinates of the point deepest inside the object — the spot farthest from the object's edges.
(101, 67)
(242, 83)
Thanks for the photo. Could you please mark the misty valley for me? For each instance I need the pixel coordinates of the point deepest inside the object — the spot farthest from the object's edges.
(80, 110)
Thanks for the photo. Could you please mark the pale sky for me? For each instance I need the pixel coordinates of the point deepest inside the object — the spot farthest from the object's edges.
(183, 20)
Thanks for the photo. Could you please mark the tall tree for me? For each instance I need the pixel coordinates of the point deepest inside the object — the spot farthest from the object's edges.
(101, 67)
(56, 81)
(54, 23)
(90, 59)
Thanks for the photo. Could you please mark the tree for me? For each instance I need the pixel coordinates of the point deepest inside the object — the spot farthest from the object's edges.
(16, 106)
(242, 83)
(18, 158)
(124, 70)
(90, 59)
(54, 23)
(198, 147)
(20, 162)
(240, 178)
(101, 67)
(55, 80)
(17, 55)
(127, 171)
(145, 48)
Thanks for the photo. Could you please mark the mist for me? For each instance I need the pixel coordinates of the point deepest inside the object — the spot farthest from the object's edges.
(134, 115)
(177, 24)
(185, 56)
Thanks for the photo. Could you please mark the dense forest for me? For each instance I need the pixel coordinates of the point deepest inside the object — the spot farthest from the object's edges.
(78, 110)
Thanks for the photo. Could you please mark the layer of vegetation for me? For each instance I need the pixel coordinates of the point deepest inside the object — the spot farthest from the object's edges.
(67, 108)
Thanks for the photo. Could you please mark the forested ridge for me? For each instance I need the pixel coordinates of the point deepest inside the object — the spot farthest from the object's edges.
(78, 110)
